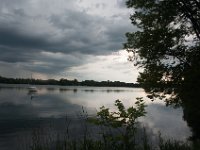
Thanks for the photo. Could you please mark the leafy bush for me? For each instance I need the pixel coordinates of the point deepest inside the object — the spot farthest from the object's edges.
(124, 120)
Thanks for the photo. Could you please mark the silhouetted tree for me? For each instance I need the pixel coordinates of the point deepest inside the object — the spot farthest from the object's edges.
(167, 46)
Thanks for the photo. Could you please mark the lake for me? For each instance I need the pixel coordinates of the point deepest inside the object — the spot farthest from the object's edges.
(21, 111)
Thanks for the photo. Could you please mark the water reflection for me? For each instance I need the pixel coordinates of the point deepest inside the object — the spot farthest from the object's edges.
(32, 94)
(67, 90)
(191, 108)
(168, 120)
(22, 110)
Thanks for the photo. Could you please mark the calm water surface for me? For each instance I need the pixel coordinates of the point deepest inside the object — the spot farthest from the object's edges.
(21, 110)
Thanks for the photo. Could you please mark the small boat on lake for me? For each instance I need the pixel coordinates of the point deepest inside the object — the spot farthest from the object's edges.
(32, 89)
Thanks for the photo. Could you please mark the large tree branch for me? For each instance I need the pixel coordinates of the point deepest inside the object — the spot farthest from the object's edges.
(188, 10)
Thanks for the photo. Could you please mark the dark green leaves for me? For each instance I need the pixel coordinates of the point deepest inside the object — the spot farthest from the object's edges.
(123, 117)
(166, 38)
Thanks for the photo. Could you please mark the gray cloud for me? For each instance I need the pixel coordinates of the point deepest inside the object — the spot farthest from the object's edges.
(30, 27)
(121, 3)
(69, 31)
(53, 63)
(12, 38)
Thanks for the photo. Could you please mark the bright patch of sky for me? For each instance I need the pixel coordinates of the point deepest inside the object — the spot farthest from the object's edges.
(113, 67)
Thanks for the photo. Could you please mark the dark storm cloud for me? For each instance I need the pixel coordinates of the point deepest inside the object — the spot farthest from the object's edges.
(30, 27)
(13, 55)
(69, 31)
(12, 38)
(53, 63)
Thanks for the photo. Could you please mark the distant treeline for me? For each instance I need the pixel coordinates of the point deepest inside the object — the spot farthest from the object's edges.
(63, 82)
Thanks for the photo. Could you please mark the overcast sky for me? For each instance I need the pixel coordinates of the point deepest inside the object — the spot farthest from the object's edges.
(65, 39)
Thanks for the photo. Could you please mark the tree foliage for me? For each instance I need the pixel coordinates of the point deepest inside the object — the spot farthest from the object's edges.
(123, 117)
(166, 44)
(124, 120)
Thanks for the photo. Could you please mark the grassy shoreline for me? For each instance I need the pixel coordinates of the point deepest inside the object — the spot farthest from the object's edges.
(119, 130)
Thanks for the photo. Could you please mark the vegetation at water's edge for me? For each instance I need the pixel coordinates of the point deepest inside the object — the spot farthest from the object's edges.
(67, 82)
(87, 143)
(119, 132)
